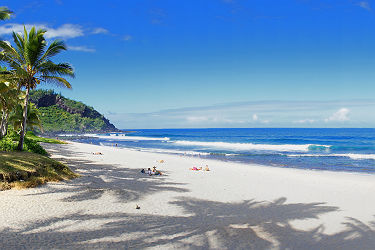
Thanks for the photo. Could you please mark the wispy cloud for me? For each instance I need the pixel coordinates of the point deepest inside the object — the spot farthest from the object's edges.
(305, 121)
(100, 31)
(65, 31)
(365, 5)
(81, 48)
(340, 116)
(262, 114)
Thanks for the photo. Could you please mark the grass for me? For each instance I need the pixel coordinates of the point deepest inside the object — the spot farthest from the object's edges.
(25, 170)
(42, 139)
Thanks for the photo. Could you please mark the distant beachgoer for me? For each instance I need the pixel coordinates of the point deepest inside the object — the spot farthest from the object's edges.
(206, 168)
(97, 153)
(195, 168)
(143, 171)
(149, 172)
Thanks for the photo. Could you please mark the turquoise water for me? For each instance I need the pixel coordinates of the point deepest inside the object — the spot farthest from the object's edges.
(325, 149)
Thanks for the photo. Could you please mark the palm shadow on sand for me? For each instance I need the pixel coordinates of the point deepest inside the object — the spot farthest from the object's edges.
(205, 225)
(126, 184)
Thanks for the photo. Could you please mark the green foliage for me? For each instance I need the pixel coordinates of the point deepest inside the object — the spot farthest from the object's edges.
(55, 119)
(34, 137)
(7, 144)
(35, 95)
(34, 147)
(33, 119)
(60, 114)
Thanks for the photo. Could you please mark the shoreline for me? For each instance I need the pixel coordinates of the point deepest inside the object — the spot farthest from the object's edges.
(203, 155)
(233, 205)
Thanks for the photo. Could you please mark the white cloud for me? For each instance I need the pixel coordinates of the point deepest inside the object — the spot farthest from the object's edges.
(365, 5)
(255, 117)
(81, 48)
(196, 118)
(269, 113)
(99, 31)
(65, 31)
(340, 115)
(304, 121)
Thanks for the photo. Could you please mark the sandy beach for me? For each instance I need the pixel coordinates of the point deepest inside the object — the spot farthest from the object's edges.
(233, 206)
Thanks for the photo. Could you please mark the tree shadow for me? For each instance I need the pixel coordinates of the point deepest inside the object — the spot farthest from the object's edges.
(206, 225)
(96, 179)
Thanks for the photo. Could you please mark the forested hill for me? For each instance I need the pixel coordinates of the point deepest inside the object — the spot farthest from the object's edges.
(60, 114)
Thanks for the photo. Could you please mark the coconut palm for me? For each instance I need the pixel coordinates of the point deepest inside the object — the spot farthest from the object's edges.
(5, 13)
(30, 61)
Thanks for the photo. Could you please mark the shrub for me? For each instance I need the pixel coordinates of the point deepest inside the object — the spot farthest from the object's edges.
(7, 144)
(34, 147)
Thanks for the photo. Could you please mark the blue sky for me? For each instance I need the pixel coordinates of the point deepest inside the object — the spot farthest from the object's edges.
(215, 63)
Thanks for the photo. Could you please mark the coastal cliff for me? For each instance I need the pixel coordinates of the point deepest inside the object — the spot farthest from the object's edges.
(60, 114)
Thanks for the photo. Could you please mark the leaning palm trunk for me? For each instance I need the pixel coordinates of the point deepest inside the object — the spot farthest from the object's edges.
(23, 126)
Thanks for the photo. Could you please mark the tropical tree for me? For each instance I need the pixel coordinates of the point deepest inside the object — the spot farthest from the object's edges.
(33, 117)
(30, 61)
(5, 13)
(9, 98)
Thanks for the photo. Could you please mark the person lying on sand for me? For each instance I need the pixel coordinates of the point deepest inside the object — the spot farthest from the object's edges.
(156, 172)
(97, 153)
(195, 168)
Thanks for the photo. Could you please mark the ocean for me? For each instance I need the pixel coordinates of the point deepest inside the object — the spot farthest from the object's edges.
(350, 150)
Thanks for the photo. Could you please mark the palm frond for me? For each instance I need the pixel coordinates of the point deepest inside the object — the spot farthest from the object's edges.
(59, 81)
(59, 69)
(54, 48)
(5, 13)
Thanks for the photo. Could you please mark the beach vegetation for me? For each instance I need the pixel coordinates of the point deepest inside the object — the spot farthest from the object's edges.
(25, 170)
(33, 121)
(9, 143)
(31, 135)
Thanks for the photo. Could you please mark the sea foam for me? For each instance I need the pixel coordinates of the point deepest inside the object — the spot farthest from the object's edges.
(251, 146)
(127, 138)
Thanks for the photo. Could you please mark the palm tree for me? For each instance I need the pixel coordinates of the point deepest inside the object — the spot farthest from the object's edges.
(5, 13)
(30, 62)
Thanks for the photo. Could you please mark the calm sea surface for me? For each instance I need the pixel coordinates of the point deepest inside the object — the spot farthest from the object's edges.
(351, 150)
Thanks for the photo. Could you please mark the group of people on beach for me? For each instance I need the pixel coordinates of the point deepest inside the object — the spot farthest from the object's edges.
(150, 172)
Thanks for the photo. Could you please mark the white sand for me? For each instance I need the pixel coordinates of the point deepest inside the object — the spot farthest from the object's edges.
(234, 206)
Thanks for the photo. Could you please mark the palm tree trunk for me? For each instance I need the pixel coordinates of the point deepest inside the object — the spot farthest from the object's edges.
(2, 125)
(5, 126)
(23, 127)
